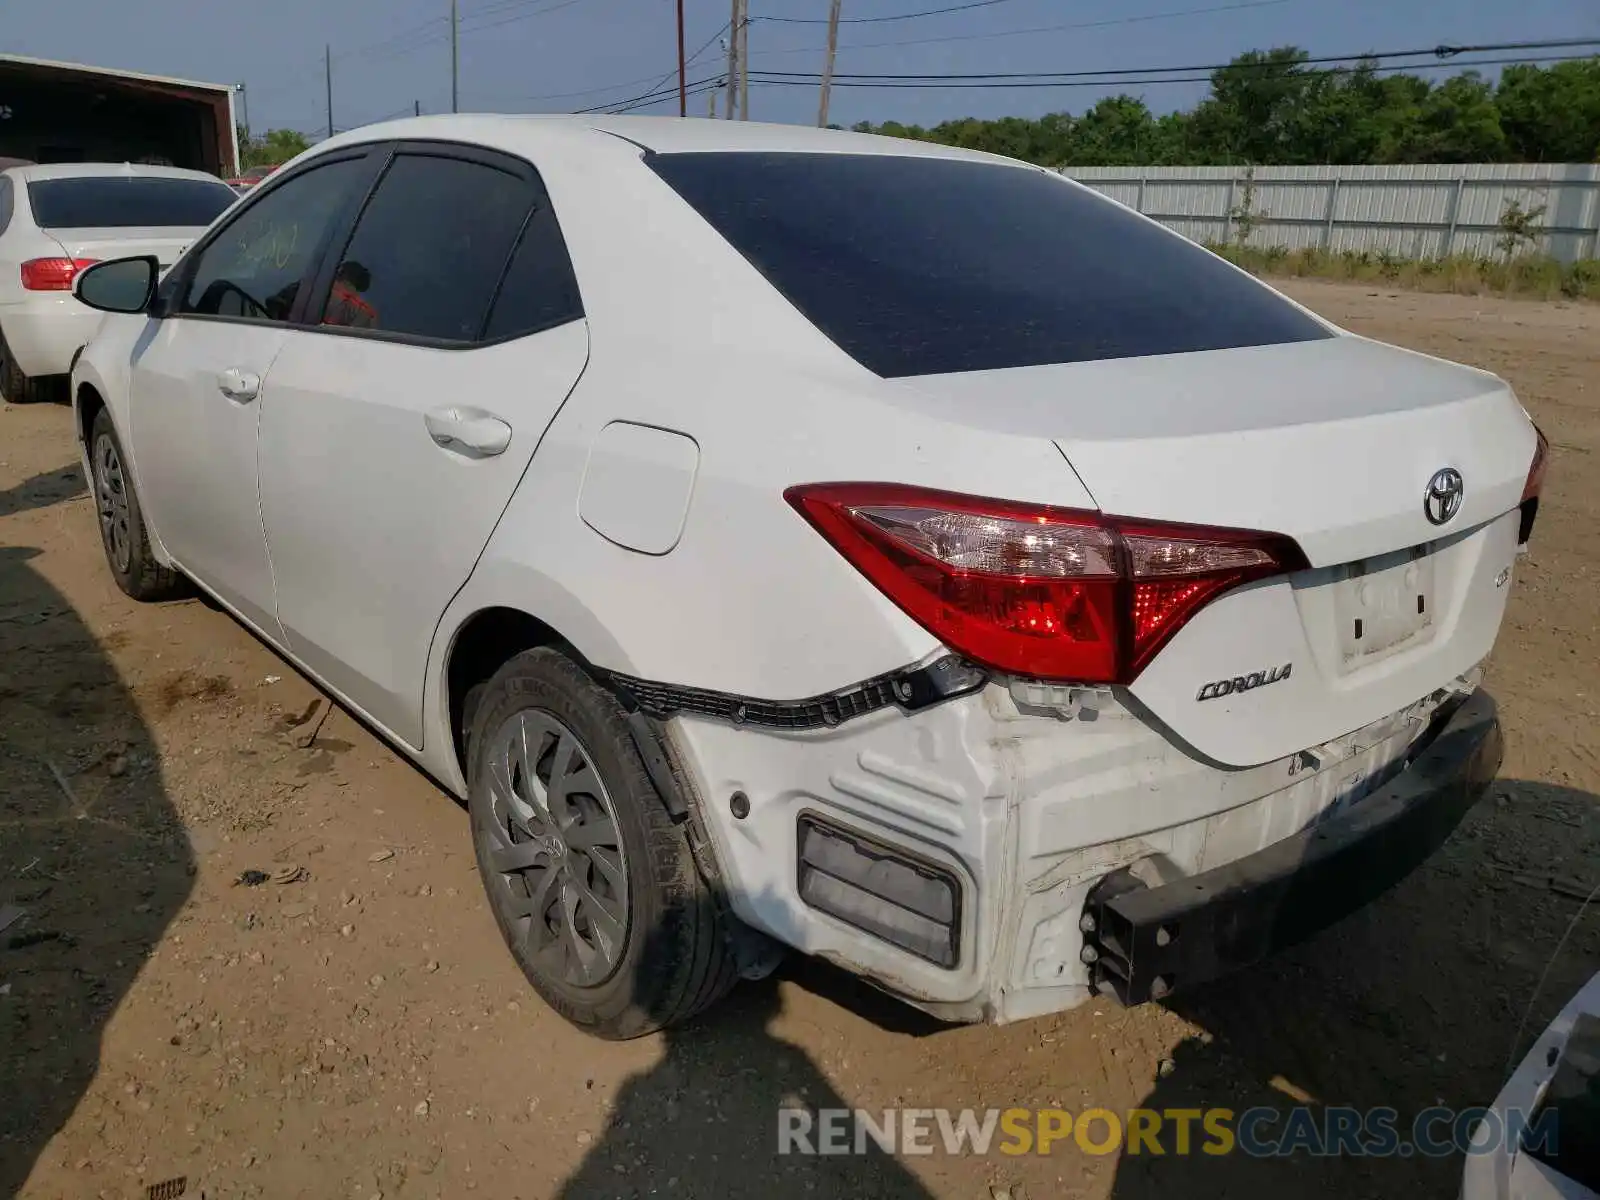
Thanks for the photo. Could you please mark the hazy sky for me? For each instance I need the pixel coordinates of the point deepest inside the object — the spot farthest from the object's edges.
(555, 55)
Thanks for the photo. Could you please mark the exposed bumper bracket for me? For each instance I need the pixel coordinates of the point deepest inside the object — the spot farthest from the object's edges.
(1149, 941)
(911, 689)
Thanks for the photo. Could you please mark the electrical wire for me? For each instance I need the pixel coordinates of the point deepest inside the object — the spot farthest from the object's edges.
(1440, 52)
(1121, 81)
(912, 16)
(1007, 33)
(699, 89)
(648, 97)
(727, 25)
(654, 81)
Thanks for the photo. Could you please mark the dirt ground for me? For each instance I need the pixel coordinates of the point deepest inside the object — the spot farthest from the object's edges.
(360, 1031)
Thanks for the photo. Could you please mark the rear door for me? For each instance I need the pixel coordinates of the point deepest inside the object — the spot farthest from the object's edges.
(450, 333)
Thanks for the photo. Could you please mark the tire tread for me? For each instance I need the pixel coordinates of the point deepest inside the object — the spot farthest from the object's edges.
(686, 962)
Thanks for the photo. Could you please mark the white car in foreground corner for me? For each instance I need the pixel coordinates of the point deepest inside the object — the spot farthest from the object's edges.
(787, 537)
(56, 220)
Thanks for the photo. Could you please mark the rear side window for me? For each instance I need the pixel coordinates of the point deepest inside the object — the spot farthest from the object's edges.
(921, 266)
(429, 250)
(5, 202)
(121, 202)
(539, 290)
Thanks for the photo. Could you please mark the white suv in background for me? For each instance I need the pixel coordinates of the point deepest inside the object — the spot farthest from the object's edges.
(56, 220)
(789, 537)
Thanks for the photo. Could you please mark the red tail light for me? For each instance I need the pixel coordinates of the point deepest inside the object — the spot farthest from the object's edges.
(1535, 485)
(53, 274)
(1031, 590)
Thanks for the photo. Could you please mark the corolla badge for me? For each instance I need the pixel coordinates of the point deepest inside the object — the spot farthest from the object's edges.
(1243, 683)
(1442, 500)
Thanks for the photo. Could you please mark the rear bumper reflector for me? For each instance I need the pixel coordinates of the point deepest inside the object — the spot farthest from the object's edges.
(1149, 941)
(892, 894)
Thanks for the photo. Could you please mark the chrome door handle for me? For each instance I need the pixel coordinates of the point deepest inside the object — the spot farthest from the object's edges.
(472, 431)
(238, 385)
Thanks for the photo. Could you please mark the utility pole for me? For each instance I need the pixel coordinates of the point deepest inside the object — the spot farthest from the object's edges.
(744, 60)
(244, 109)
(327, 64)
(455, 59)
(416, 108)
(827, 63)
(733, 60)
(683, 68)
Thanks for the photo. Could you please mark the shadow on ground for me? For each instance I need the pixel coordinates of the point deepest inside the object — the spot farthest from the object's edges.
(704, 1121)
(42, 490)
(1415, 1002)
(91, 850)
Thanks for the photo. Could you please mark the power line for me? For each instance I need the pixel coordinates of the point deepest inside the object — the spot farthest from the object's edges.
(705, 85)
(648, 97)
(655, 81)
(912, 16)
(1007, 33)
(710, 41)
(959, 84)
(516, 16)
(1441, 52)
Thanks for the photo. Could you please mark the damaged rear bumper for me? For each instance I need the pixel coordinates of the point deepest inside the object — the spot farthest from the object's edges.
(1148, 941)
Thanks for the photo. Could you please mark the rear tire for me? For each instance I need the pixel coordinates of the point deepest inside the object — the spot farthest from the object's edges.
(122, 528)
(16, 386)
(593, 885)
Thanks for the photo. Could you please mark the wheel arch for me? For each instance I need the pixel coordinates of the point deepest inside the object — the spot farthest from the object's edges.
(86, 405)
(483, 644)
(505, 608)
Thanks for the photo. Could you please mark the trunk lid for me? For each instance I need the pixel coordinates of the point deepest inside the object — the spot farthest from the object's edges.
(1333, 443)
(166, 242)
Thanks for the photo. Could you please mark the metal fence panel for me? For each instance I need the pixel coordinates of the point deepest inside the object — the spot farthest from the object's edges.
(1425, 210)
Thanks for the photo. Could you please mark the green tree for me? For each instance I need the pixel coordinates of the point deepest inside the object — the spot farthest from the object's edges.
(1119, 129)
(1551, 114)
(1269, 107)
(1459, 123)
(272, 148)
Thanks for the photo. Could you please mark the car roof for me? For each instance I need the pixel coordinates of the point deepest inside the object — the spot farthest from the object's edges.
(38, 171)
(524, 133)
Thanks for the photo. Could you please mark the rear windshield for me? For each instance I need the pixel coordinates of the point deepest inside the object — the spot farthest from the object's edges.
(110, 201)
(919, 266)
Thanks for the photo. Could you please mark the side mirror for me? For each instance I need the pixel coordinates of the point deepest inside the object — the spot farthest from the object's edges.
(123, 285)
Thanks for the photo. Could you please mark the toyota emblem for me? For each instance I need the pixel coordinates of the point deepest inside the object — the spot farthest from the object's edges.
(1442, 500)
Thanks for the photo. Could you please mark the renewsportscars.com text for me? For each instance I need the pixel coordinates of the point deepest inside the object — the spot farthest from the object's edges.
(1256, 1132)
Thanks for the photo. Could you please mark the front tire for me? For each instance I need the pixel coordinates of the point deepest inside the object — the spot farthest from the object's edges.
(122, 528)
(593, 885)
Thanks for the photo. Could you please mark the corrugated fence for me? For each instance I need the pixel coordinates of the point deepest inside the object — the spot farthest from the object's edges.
(1421, 211)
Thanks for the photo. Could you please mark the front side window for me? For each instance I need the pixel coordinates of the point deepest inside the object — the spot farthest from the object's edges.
(429, 249)
(919, 266)
(126, 202)
(256, 266)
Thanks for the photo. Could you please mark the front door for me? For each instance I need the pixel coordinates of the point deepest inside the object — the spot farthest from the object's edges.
(395, 433)
(200, 378)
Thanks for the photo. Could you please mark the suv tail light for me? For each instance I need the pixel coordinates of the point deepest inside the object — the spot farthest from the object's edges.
(53, 274)
(1052, 593)
(1535, 485)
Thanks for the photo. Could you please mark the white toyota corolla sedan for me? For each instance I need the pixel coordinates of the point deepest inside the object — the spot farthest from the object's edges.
(57, 219)
(791, 538)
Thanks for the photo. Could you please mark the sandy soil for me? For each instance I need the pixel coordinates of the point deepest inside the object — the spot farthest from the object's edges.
(360, 1031)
